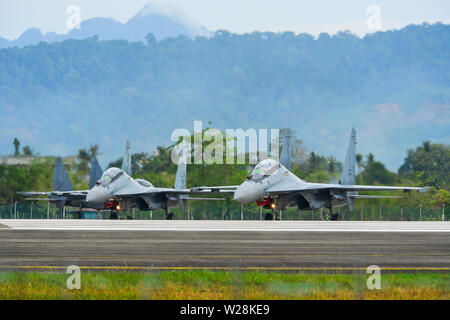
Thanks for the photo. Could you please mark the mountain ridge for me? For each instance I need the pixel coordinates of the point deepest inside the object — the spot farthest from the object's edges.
(155, 19)
(393, 87)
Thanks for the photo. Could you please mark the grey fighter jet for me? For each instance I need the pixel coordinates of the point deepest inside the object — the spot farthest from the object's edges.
(63, 194)
(273, 186)
(116, 190)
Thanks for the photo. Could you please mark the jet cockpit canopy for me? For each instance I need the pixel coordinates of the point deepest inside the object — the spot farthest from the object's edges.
(110, 175)
(264, 169)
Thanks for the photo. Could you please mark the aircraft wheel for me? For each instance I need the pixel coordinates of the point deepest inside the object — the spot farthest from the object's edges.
(335, 217)
(170, 216)
(113, 216)
(268, 216)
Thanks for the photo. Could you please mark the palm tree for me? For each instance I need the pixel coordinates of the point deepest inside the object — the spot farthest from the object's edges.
(84, 158)
(427, 150)
(93, 151)
(16, 147)
(313, 161)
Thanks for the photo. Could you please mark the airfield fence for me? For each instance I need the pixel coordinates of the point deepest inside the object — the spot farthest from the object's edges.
(30, 210)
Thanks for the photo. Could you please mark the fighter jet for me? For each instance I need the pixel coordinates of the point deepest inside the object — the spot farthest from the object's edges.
(116, 191)
(273, 186)
(63, 194)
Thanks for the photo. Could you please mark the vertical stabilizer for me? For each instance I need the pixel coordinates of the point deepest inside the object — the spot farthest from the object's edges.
(180, 178)
(61, 180)
(126, 162)
(286, 151)
(348, 172)
(95, 172)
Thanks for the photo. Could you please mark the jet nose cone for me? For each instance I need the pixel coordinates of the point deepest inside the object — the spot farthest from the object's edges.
(247, 192)
(97, 195)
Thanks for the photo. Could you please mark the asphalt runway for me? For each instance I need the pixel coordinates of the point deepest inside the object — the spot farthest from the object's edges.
(284, 246)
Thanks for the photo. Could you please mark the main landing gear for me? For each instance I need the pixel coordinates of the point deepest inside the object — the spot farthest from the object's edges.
(169, 215)
(334, 216)
(113, 215)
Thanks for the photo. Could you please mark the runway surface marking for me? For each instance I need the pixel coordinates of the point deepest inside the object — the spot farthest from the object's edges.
(33, 250)
(219, 225)
(235, 268)
(17, 257)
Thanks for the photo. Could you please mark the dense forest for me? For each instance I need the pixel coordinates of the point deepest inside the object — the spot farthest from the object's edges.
(394, 86)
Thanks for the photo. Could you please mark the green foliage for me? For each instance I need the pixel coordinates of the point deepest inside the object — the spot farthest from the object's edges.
(429, 164)
(158, 86)
(321, 176)
(85, 156)
(375, 172)
(35, 177)
(159, 169)
(27, 151)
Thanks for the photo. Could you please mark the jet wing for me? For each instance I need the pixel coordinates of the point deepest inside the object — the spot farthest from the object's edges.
(168, 191)
(215, 189)
(363, 196)
(296, 187)
(52, 194)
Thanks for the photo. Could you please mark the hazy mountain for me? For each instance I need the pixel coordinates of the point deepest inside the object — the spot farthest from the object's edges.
(104, 28)
(393, 87)
(3, 43)
(156, 18)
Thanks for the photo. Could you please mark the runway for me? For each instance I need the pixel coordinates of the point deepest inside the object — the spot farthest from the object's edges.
(229, 225)
(283, 246)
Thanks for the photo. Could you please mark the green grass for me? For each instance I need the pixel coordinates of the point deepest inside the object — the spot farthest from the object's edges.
(221, 285)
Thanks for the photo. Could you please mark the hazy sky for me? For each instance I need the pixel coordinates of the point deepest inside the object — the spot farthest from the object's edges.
(234, 15)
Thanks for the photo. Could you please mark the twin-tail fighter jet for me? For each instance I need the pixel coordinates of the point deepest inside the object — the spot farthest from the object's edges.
(116, 190)
(63, 193)
(274, 187)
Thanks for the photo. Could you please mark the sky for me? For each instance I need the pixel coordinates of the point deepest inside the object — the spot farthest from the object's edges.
(238, 16)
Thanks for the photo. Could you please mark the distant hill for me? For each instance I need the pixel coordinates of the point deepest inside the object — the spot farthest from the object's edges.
(162, 22)
(393, 87)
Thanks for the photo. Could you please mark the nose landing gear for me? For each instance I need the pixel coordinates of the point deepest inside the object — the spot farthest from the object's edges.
(268, 216)
(268, 203)
(170, 216)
